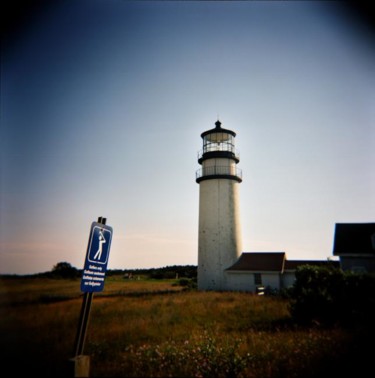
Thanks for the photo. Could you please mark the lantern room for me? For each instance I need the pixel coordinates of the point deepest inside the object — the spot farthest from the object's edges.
(218, 142)
(218, 156)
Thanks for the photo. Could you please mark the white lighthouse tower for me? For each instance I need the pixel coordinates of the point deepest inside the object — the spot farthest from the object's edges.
(219, 240)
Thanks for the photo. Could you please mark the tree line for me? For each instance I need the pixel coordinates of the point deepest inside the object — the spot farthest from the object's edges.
(65, 270)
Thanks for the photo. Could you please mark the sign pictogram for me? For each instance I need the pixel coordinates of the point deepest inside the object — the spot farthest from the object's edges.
(96, 257)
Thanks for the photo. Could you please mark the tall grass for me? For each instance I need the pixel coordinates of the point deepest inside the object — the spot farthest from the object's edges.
(154, 329)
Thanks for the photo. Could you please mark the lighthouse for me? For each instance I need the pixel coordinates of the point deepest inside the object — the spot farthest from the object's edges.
(219, 236)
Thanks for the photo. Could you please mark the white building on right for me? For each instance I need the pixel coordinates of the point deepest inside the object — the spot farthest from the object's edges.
(354, 244)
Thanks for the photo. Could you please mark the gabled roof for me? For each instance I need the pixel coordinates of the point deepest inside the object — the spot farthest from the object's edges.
(354, 238)
(293, 264)
(259, 261)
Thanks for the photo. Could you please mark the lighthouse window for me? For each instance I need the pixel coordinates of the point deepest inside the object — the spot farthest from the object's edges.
(218, 142)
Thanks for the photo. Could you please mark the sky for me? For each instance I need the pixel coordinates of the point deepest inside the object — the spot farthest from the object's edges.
(102, 107)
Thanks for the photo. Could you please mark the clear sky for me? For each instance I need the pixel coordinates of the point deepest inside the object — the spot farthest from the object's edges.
(102, 107)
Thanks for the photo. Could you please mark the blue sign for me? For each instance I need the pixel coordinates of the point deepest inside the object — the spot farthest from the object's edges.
(96, 258)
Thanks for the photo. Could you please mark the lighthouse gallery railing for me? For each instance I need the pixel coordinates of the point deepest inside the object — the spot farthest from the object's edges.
(229, 171)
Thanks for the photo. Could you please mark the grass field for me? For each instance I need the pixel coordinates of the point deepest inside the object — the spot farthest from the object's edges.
(153, 328)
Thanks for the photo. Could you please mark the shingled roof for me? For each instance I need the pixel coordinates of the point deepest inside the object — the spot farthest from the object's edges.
(354, 238)
(259, 261)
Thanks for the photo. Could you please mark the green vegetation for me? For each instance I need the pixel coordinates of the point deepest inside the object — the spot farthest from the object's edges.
(329, 296)
(147, 327)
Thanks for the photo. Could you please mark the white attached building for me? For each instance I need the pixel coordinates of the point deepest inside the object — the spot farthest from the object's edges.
(253, 270)
(270, 271)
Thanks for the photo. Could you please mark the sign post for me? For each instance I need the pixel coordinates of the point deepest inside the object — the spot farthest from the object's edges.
(92, 281)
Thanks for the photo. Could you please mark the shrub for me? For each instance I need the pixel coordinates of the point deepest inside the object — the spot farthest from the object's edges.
(326, 295)
(187, 282)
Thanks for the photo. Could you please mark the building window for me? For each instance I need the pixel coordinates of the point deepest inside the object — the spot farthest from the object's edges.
(257, 279)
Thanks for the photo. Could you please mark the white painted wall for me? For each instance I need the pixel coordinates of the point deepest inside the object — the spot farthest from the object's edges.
(244, 281)
(271, 280)
(219, 239)
(240, 281)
